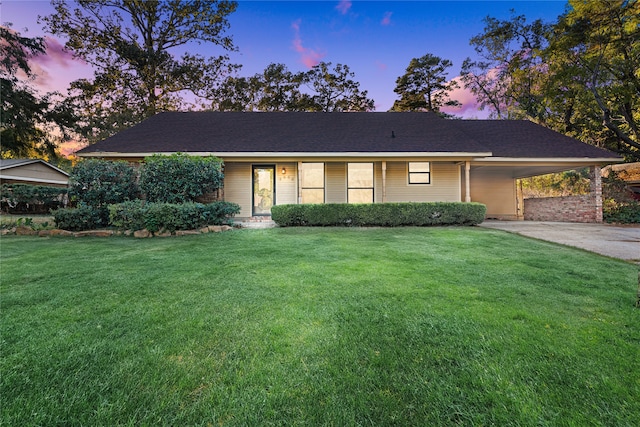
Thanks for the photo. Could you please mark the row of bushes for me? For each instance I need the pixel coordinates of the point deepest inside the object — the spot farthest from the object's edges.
(379, 214)
(25, 198)
(137, 215)
(178, 178)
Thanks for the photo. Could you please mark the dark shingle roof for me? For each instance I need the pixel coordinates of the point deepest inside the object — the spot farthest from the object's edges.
(219, 132)
(522, 139)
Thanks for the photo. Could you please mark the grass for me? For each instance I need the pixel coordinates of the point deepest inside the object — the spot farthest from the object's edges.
(407, 326)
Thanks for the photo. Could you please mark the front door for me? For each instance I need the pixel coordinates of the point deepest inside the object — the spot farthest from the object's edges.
(263, 189)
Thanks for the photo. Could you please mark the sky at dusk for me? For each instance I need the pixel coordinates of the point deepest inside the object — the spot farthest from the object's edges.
(376, 39)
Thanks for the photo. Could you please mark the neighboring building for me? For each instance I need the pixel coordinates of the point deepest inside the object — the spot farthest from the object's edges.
(285, 158)
(32, 171)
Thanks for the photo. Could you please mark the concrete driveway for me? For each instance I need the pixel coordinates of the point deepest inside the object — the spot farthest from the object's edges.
(610, 240)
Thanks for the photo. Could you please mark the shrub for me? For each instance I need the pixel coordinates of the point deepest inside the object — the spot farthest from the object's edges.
(99, 183)
(136, 215)
(32, 198)
(179, 178)
(84, 217)
(621, 212)
(379, 214)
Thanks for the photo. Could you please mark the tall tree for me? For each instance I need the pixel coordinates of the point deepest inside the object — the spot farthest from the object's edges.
(131, 44)
(578, 75)
(335, 90)
(424, 86)
(27, 119)
(278, 89)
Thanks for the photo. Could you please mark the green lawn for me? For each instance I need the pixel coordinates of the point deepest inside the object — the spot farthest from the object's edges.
(407, 326)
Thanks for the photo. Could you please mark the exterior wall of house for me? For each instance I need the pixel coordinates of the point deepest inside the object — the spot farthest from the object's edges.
(444, 187)
(34, 173)
(445, 183)
(496, 188)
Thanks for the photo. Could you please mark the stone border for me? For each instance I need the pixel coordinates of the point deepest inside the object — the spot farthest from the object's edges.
(140, 234)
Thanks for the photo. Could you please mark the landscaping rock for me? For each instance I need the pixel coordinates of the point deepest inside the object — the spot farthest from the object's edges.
(163, 233)
(204, 230)
(5, 231)
(25, 231)
(215, 228)
(141, 234)
(226, 228)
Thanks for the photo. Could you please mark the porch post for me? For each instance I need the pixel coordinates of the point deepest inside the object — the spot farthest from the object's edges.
(467, 181)
(299, 183)
(384, 181)
(596, 191)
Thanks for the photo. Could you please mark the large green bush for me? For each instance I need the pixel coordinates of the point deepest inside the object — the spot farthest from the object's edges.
(99, 183)
(136, 215)
(379, 214)
(22, 198)
(621, 212)
(179, 178)
(84, 217)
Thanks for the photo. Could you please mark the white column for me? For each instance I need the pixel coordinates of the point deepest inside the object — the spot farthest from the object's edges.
(299, 183)
(384, 182)
(467, 181)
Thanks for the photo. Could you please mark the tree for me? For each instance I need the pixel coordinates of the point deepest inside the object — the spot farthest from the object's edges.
(335, 91)
(26, 117)
(424, 86)
(131, 44)
(278, 89)
(578, 76)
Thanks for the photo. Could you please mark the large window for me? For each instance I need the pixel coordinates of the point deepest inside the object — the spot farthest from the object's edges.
(419, 173)
(360, 182)
(312, 182)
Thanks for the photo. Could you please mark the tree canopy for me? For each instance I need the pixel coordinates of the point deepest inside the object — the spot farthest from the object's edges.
(131, 45)
(29, 121)
(424, 85)
(578, 75)
(278, 89)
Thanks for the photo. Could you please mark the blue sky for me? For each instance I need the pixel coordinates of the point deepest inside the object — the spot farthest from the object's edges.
(376, 39)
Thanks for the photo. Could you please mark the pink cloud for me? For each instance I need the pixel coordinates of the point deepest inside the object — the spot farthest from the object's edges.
(309, 57)
(344, 6)
(55, 54)
(470, 106)
(386, 19)
(381, 66)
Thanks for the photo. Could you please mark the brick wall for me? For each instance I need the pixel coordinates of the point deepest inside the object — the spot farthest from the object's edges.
(586, 208)
(562, 209)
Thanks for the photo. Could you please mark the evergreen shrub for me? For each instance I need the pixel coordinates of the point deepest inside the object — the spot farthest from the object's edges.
(137, 215)
(179, 178)
(83, 217)
(379, 214)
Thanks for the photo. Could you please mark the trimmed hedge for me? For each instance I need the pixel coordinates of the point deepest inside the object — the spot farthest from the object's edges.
(84, 217)
(379, 214)
(98, 183)
(137, 215)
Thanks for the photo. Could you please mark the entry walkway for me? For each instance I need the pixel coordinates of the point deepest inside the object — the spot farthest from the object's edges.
(615, 241)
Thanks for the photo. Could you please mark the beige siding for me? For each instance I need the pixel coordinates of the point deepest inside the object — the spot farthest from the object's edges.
(237, 186)
(36, 173)
(286, 184)
(444, 187)
(495, 188)
(336, 182)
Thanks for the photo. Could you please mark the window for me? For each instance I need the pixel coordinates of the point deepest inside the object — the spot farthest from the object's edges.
(360, 182)
(312, 182)
(419, 173)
